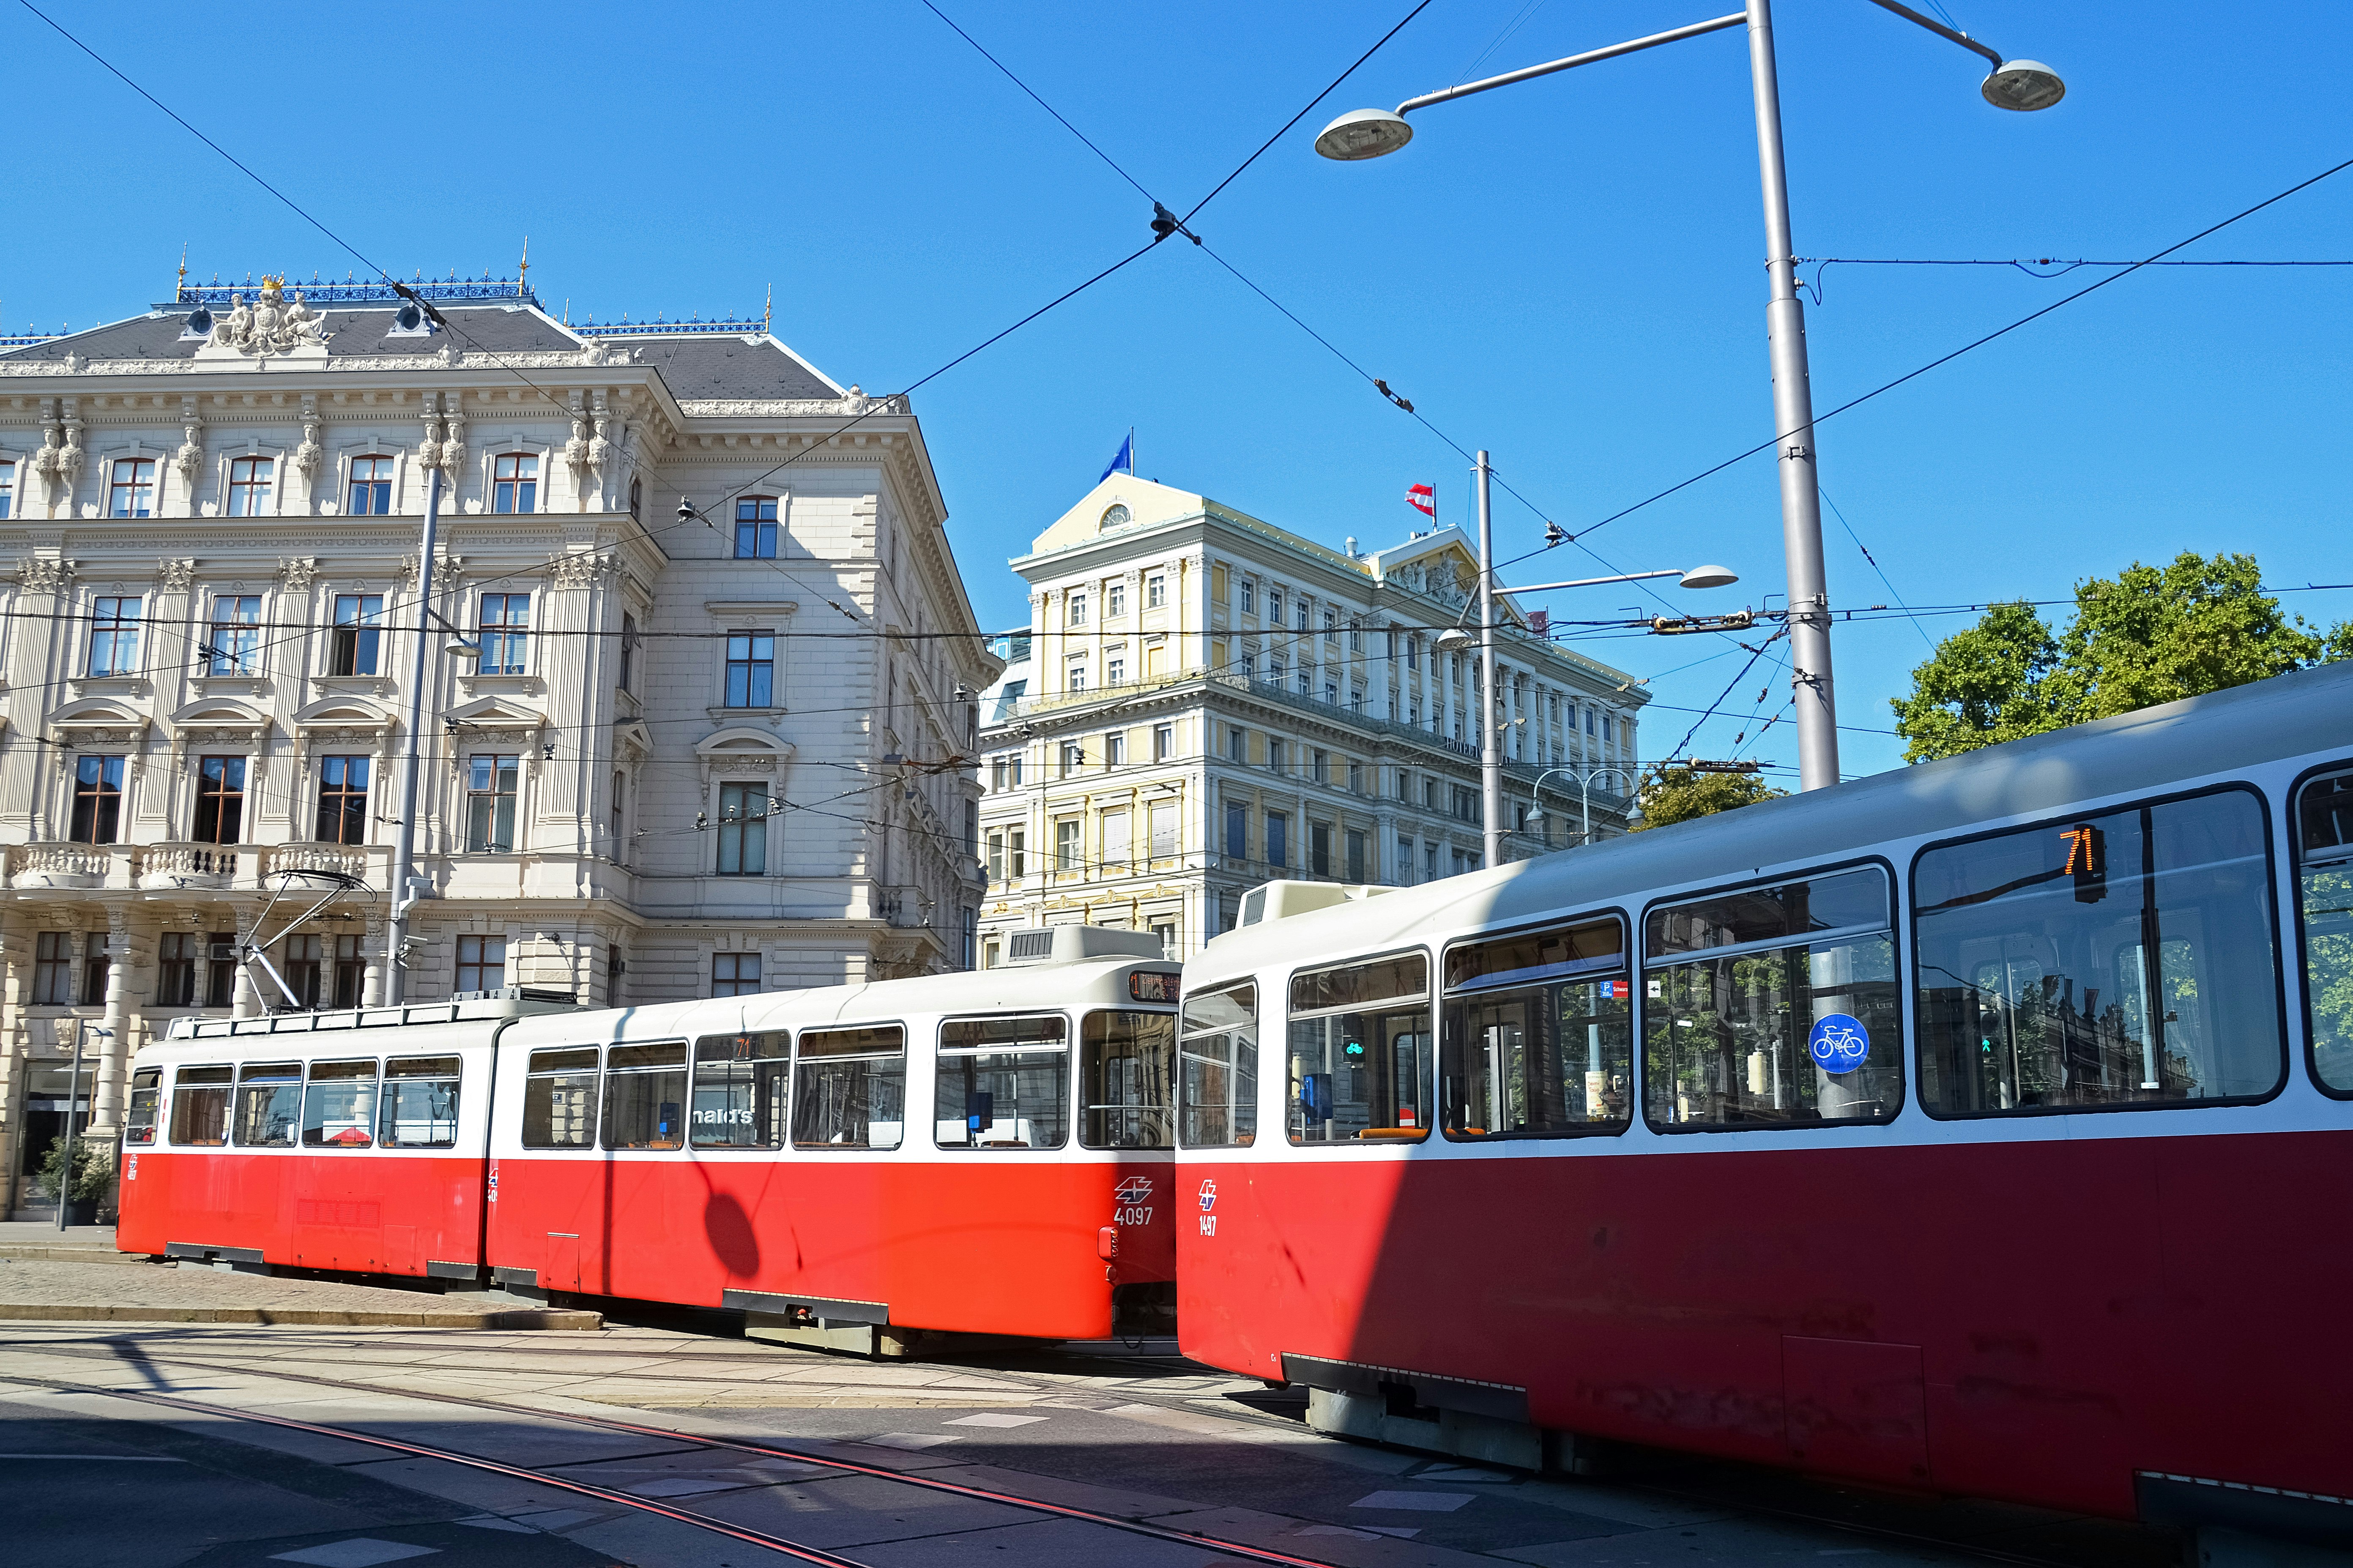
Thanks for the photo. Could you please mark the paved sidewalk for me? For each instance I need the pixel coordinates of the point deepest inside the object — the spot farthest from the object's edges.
(51, 1288)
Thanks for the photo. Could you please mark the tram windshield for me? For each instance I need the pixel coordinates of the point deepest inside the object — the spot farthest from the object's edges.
(269, 1103)
(645, 1095)
(200, 1106)
(1217, 1084)
(2325, 872)
(420, 1103)
(146, 1098)
(1004, 1082)
(1538, 1037)
(1360, 1051)
(1125, 1060)
(739, 1090)
(339, 1105)
(849, 1088)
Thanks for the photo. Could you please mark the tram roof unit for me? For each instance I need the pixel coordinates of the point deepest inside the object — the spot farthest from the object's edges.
(2151, 751)
(513, 1002)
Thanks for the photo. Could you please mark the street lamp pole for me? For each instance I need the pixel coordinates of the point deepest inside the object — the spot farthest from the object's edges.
(1491, 759)
(2012, 84)
(412, 757)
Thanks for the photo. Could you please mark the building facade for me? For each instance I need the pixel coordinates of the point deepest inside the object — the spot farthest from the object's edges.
(673, 747)
(1204, 701)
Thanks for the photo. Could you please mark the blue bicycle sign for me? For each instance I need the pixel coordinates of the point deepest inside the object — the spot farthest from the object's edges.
(1839, 1043)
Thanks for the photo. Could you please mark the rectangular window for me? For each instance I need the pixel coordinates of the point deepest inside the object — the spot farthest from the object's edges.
(7, 490)
(1115, 601)
(1074, 757)
(505, 634)
(627, 681)
(235, 646)
(1278, 837)
(1319, 766)
(1164, 932)
(1017, 857)
(249, 482)
(751, 669)
(97, 965)
(371, 492)
(1302, 624)
(1274, 605)
(268, 1104)
(200, 1106)
(220, 800)
(350, 975)
(1155, 589)
(1404, 861)
(1115, 669)
(1076, 676)
(1217, 1081)
(1773, 1006)
(734, 973)
(220, 969)
(1078, 606)
(1360, 1052)
(756, 527)
(1537, 1039)
(645, 1095)
(1124, 1062)
(358, 635)
(339, 1105)
(1354, 842)
(342, 800)
(996, 855)
(1009, 1076)
(146, 1100)
(559, 1098)
(849, 1088)
(1237, 831)
(1249, 591)
(131, 492)
(740, 1090)
(744, 831)
(1118, 840)
(419, 1104)
(1163, 814)
(1115, 749)
(114, 637)
(514, 482)
(1331, 624)
(1319, 849)
(303, 958)
(1067, 857)
(2323, 815)
(1164, 742)
(482, 963)
(1237, 745)
(2119, 960)
(97, 800)
(175, 969)
(492, 780)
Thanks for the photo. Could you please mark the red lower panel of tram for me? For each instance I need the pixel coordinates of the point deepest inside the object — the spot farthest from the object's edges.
(1006, 1249)
(2033, 1320)
(363, 1211)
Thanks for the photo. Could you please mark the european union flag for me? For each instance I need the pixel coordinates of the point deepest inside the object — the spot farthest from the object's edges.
(1123, 458)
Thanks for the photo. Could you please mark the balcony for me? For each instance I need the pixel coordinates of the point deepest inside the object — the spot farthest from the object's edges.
(170, 867)
(189, 865)
(58, 865)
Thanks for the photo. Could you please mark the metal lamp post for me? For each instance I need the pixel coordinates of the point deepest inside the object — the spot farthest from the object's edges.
(73, 1098)
(1584, 778)
(411, 762)
(2012, 84)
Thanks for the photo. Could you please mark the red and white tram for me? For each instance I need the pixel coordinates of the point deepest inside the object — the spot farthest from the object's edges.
(977, 1154)
(1979, 1128)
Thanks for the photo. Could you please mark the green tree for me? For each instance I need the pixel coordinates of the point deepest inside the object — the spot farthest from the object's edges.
(1671, 795)
(2151, 635)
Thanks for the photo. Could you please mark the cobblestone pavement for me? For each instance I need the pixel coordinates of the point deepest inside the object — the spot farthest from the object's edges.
(51, 1288)
(1155, 1439)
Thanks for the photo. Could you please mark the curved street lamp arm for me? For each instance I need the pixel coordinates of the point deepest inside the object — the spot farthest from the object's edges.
(1941, 30)
(1674, 35)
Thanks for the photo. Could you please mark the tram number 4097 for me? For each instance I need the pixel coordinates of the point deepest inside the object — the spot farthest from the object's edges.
(1132, 1214)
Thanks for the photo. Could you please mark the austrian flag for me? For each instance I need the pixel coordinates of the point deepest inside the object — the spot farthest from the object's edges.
(1423, 499)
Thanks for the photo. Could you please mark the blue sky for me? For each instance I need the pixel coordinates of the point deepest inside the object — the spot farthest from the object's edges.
(1568, 272)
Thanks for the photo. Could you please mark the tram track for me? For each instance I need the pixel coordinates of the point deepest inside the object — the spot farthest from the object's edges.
(1180, 1404)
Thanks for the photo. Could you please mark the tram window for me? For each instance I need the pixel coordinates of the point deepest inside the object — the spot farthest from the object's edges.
(268, 1101)
(645, 1095)
(1360, 1052)
(1004, 1083)
(2325, 878)
(1217, 1084)
(339, 1105)
(559, 1098)
(2038, 988)
(420, 1103)
(1538, 1035)
(200, 1106)
(849, 1088)
(1124, 1061)
(146, 1098)
(739, 1090)
(1773, 1006)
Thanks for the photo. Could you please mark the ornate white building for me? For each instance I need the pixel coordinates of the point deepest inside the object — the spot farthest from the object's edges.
(209, 522)
(1204, 701)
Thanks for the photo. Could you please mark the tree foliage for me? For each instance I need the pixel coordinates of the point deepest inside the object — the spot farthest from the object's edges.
(2151, 635)
(1672, 795)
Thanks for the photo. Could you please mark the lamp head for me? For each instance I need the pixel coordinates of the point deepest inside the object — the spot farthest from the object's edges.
(1362, 133)
(2023, 85)
(1453, 639)
(1708, 577)
(462, 648)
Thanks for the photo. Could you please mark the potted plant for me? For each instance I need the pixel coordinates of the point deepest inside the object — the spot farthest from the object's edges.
(91, 1184)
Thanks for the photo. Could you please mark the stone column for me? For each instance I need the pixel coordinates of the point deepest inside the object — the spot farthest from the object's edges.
(247, 1002)
(371, 949)
(113, 1047)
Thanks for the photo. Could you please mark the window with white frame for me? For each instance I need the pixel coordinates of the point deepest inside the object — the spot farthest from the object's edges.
(130, 492)
(371, 486)
(1155, 588)
(1078, 607)
(7, 490)
(505, 634)
(250, 480)
(235, 643)
(114, 637)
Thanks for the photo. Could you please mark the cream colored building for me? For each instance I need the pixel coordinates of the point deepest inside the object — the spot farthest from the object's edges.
(1204, 701)
(209, 534)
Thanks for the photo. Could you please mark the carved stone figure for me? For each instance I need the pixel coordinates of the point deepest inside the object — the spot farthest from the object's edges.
(273, 324)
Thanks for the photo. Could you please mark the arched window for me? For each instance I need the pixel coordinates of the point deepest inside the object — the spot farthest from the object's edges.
(514, 482)
(371, 486)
